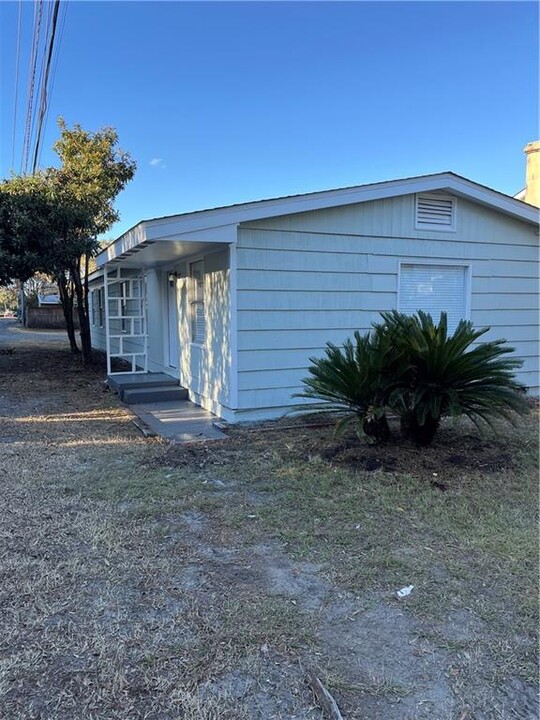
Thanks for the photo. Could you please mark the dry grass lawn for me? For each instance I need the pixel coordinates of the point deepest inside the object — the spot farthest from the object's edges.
(143, 580)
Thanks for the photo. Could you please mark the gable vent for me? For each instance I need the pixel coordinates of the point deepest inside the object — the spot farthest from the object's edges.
(435, 212)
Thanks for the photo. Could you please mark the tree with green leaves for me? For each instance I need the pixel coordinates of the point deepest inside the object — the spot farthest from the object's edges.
(9, 298)
(50, 221)
(93, 172)
(25, 221)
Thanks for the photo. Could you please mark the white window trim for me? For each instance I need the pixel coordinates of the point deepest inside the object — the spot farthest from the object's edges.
(192, 261)
(93, 307)
(101, 306)
(438, 228)
(445, 263)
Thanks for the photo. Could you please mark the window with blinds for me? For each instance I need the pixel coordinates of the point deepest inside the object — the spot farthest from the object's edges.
(198, 321)
(435, 212)
(434, 289)
(100, 305)
(93, 306)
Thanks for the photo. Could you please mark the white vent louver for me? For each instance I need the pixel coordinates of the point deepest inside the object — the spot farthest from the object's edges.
(435, 212)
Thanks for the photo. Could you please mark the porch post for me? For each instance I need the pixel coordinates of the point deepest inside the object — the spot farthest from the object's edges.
(144, 320)
(107, 330)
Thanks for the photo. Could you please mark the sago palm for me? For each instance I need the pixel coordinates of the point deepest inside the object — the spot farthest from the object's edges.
(356, 381)
(449, 374)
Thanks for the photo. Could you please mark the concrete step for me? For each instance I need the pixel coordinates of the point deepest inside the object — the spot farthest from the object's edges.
(158, 393)
(133, 381)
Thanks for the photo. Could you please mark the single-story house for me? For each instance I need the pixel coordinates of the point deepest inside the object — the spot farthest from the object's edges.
(233, 301)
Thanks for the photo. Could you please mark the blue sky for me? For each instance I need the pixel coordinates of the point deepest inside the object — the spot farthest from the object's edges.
(228, 102)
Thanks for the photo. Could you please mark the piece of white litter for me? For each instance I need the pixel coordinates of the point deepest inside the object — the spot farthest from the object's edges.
(405, 591)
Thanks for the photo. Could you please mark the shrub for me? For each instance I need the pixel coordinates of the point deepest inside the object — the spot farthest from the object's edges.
(450, 375)
(355, 381)
(416, 369)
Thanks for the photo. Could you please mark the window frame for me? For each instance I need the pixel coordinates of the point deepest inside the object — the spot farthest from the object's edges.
(193, 301)
(93, 307)
(101, 305)
(467, 265)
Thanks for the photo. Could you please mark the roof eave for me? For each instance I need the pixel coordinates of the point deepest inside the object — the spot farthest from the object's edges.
(175, 225)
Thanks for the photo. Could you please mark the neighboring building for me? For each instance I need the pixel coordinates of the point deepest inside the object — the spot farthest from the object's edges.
(234, 301)
(48, 299)
(531, 192)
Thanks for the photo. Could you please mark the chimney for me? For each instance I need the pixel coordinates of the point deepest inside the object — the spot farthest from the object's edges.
(532, 187)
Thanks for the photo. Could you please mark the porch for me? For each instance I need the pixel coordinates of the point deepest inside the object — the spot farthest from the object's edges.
(162, 309)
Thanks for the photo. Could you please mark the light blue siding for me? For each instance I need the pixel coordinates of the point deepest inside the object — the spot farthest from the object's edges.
(206, 369)
(307, 279)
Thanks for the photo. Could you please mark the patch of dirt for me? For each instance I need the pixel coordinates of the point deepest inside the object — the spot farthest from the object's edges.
(453, 452)
(384, 670)
(397, 675)
(520, 701)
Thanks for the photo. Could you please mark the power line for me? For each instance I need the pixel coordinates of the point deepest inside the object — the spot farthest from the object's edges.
(16, 85)
(38, 9)
(39, 76)
(43, 100)
(54, 68)
(38, 12)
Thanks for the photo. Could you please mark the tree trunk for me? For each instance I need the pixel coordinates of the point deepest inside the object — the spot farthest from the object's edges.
(86, 295)
(82, 311)
(420, 434)
(377, 428)
(66, 298)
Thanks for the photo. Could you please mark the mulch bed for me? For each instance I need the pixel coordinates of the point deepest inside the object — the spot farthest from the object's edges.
(458, 449)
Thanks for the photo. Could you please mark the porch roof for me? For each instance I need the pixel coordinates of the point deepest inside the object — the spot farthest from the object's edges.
(144, 248)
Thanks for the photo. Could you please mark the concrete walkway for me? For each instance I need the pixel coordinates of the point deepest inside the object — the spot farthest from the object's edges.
(178, 421)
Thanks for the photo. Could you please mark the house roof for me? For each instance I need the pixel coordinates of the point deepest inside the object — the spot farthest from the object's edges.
(222, 221)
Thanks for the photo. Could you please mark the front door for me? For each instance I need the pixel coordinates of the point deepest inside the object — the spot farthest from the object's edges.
(173, 347)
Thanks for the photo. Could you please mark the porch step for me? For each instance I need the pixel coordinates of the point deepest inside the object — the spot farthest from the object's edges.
(157, 393)
(132, 381)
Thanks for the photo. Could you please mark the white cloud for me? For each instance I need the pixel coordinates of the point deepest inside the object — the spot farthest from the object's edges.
(157, 162)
